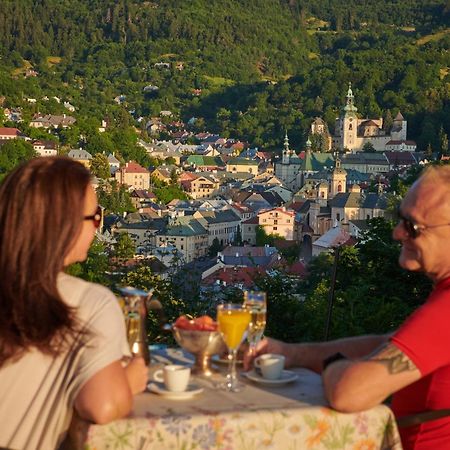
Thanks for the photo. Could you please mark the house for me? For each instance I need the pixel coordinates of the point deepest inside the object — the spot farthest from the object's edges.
(45, 148)
(202, 186)
(248, 230)
(7, 133)
(114, 163)
(366, 162)
(82, 156)
(242, 165)
(335, 237)
(280, 221)
(164, 173)
(69, 106)
(208, 163)
(133, 175)
(186, 234)
(52, 121)
(238, 267)
(140, 226)
(401, 146)
(221, 225)
(141, 198)
(248, 256)
(400, 159)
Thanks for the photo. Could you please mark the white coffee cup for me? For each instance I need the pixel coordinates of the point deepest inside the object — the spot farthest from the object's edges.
(174, 376)
(271, 365)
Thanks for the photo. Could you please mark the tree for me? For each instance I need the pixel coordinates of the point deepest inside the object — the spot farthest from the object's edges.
(125, 248)
(443, 140)
(95, 267)
(114, 197)
(387, 121)
(262, 238)
(215, 247)
(368, 148)
(14, 152)
(100, 166)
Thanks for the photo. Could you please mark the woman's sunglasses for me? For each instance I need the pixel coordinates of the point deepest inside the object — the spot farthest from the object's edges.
(97, 217)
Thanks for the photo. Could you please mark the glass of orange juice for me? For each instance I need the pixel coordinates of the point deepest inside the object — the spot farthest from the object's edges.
(233, 321)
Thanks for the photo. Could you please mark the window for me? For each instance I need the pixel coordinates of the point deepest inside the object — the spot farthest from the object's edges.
(338, 217)
(275, 228)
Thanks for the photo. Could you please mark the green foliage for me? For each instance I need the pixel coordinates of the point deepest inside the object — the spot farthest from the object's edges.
(100, 166)
(215, 247)
(262, 238)
(258, 73)
(284, 307)
(143, 278)
(14, 152)
(114, 198)
(95, 267)
(373, 294)
(165, 194)
(125, 247)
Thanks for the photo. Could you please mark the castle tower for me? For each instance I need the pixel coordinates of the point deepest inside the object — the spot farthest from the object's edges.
(398, 130)
(349, 121)
(286, 152)
(338, 179)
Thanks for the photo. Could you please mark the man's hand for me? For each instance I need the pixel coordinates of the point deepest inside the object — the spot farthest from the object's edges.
(269, 345)
(137, 374)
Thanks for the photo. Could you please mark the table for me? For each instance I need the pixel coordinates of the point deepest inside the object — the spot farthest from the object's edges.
(289, 417)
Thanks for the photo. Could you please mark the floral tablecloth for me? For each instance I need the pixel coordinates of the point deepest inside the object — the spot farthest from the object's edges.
(288, 417)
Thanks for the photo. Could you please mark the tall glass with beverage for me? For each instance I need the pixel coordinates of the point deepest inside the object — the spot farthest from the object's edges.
(256, 304)
(233, 321)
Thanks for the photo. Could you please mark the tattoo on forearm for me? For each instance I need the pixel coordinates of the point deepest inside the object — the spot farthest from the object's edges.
(393, 358)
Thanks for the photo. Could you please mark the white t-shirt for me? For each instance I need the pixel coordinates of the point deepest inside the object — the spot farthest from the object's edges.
(37, 392)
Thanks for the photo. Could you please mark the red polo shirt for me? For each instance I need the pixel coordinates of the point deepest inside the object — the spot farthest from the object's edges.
(425, 339)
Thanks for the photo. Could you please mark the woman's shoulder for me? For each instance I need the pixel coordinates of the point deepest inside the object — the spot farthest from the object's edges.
(77, 292)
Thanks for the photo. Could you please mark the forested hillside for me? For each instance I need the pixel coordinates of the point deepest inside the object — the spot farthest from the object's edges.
(256, 67)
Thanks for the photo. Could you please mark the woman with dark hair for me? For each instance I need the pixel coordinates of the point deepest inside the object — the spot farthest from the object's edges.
(62, 339)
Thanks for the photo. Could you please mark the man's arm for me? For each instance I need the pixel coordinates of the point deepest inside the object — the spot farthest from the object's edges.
(358, 385)
(312, 355)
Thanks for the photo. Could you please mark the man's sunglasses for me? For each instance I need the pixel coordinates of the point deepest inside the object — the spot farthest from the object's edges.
(97, 217)
(413, 230)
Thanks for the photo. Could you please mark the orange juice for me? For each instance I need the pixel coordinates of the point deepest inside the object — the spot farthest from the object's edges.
(233, 324)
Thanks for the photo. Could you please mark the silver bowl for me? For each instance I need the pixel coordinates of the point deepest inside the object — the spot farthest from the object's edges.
(203, 345)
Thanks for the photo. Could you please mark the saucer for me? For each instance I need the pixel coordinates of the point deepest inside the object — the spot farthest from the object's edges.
(287, 376)
(158, 388)
(218, 360)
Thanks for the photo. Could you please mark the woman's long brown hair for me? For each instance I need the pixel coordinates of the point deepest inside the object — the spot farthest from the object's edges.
(41, 213)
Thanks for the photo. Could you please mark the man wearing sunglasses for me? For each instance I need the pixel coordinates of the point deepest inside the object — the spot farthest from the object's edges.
(412, 364)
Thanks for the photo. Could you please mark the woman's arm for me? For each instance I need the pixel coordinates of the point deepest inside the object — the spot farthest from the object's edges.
(108, 395)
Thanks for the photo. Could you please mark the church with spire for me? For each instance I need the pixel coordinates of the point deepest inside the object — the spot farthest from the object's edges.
(352, 133)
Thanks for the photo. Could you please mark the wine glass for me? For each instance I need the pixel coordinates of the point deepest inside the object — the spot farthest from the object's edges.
(233, 321)
(256, 304)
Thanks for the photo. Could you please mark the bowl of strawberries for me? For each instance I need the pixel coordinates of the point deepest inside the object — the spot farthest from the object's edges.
(200, 337)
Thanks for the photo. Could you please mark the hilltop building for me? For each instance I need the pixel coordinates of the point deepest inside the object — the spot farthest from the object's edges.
(352, 133)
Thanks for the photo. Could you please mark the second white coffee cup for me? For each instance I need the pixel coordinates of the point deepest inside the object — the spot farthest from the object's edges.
(175, 377)
(271, 365)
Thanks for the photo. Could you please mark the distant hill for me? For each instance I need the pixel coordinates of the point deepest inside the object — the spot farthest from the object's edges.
(248, 69)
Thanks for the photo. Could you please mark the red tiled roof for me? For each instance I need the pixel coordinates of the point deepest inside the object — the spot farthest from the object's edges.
(252, 220)
(232, 276)
(134, 167)
(296, 206)
(6, 131)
